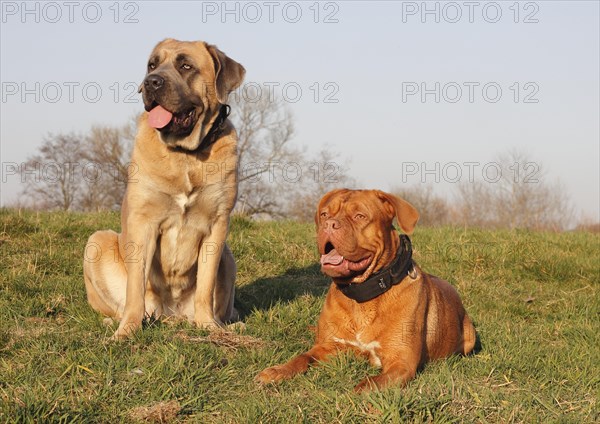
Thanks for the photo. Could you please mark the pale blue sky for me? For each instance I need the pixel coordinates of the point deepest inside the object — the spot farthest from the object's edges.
(370, 55)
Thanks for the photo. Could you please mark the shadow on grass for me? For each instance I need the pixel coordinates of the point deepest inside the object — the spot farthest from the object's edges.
(478, 346)
(261, 294)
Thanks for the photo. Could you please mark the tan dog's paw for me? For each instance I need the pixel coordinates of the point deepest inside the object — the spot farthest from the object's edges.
(210, 325)
(108, 322)
(238, 326)
(124, 331)
(274, 374)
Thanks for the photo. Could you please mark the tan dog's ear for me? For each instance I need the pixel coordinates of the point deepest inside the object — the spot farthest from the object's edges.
(405, 213)
(326, 198)
(228, 73)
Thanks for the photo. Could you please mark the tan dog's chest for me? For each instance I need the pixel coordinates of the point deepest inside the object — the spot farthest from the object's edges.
(180, 236)
(182, 231)
(184, 194)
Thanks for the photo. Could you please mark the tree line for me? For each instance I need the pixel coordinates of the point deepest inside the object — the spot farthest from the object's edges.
(278, 179)
(512, 200)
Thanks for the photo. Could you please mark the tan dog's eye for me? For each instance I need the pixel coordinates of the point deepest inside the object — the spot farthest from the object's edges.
(151, 66)
(186, 67)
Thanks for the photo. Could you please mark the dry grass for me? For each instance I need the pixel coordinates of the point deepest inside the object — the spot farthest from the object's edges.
(161, 412)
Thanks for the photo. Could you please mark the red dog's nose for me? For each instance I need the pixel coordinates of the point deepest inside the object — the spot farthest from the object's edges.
(331, 224)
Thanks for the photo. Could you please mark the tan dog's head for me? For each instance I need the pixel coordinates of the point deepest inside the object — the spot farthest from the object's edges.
(355, 232)
(185, 84)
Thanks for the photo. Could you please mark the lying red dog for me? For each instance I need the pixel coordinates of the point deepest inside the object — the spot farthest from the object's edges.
(380, 303)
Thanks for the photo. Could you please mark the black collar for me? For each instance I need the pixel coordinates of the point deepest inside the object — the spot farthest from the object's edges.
(219, 123)
(383, 280)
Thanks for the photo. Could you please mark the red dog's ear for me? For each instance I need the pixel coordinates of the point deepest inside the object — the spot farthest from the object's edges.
(405, 213)
(228, 73)
(326, 198)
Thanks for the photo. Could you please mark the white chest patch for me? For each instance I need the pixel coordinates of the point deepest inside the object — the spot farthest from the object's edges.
(363, 347)
(183, 200)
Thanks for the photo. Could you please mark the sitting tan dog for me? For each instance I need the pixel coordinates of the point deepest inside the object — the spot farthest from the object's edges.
(170, 258)
(380, 303)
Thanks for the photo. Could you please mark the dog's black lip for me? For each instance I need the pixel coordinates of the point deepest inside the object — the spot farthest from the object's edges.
(185, 113)
(173, 127)
(151, 106)
(328, 247)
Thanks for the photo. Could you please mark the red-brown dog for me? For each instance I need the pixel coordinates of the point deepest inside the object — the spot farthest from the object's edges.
(380, 303)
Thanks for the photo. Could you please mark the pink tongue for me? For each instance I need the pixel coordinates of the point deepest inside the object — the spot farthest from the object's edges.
(159, 117)
(332, 258)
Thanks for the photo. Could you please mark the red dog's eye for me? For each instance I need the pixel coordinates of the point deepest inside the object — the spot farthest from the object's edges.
(359, 216)
(323, 215)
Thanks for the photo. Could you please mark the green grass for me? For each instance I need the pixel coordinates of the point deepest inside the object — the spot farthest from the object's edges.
(534, 298)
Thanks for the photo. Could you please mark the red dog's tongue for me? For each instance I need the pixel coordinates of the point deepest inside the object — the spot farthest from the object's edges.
(159, 117)
(332, 258)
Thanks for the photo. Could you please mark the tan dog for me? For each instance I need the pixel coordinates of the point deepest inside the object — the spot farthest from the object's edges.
(171, 258)
(380, 303)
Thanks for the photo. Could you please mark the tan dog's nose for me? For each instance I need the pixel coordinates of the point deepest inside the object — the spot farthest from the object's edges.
(331, 224)
(154, 82)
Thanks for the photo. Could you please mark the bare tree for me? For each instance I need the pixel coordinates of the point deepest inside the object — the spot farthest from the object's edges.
(473, 205)
(515, 195)
(52, 176)
(588, 224)
(79, 172)
(322, 173)
(278, 179)
(433, 209)
(106, 153)
(523, 198)
(265, 128)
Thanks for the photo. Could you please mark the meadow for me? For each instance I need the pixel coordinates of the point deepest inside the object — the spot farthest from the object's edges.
(533, 296)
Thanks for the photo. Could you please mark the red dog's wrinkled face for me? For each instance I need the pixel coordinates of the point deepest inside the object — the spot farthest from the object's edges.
(355, 234)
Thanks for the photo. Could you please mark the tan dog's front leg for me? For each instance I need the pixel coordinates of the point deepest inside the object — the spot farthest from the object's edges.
(138, 252)
(208, 266)
(297, 365)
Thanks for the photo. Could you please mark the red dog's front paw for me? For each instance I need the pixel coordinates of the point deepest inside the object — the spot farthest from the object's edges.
(367, 385)
(274, 374)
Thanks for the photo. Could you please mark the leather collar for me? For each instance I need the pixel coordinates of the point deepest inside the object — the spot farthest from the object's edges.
(213, 134)
(216, 128)
(385, 279)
